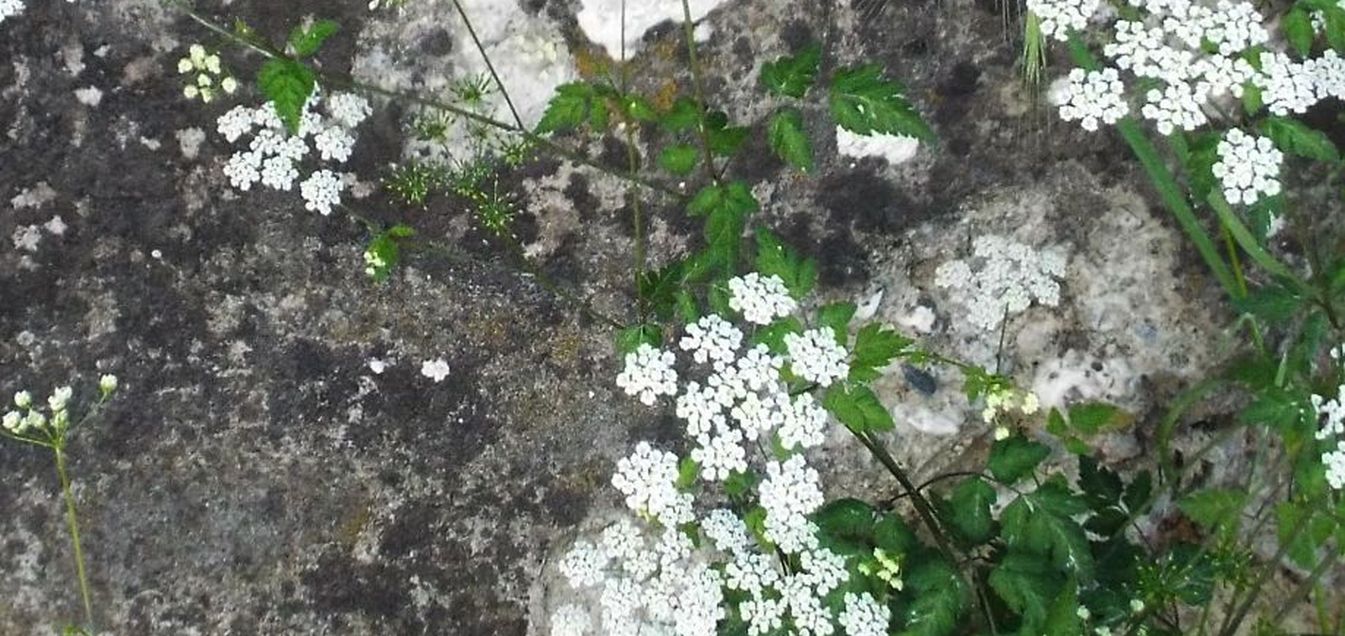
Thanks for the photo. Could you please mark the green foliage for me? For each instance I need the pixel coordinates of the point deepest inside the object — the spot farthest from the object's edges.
(1028, 585)
(1041, 522)
(725, 208)
(940, 599)
(773, 335)
(384, 252)
(287, 84)
(1215, 509)
(679, 159)
(792, 75)
(1297, 27)
(855, 406)
(776, 259)
(1273, 303)
(630, 338)
(573, 105)
(415, 181)
(875, 347)
(1015, 457)
(724, 140)
(1296, 138)
(864, 102)
(968, 511)
(306, 40)
(789, 140)
(837, 317)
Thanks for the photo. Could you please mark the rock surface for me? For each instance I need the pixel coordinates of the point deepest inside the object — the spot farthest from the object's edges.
(255, 475)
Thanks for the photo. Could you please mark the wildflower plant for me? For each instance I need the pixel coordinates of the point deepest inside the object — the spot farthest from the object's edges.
(50, 425)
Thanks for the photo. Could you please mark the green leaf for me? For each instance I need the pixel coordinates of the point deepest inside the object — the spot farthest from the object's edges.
(1015, 457)
(773, 335)
(687, 472)
(837, 316)
(659, 288)
(776, 259)
(1251, 98)
(682, 116)
(734, 195)
(1107, 522)
(630, 338)
(1094, 417)
(846, 526)
(1042, 522)
(1296, 138)
(306, 41)
(1028, 585)
(756, 524)
(875, 347)
(287, 84)
(680, 159)
(1202, 153)
(857, 408)
(727, 208)
(864, 102)
(1297, 27)
(940, 599)
(1303, 530)
(1215, 509)
(637, 108)
(792, 75)
(1101, 487)
(722, 139)
(1274, 304)
(1137, 494)
(1276, 408)
(788, 139)
(893, 535)
(567, 108)
(969, 511)
(1062, 619)
(739, 483)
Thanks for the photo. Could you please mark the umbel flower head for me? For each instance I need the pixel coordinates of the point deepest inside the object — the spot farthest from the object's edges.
(47, 422)
(208, 76)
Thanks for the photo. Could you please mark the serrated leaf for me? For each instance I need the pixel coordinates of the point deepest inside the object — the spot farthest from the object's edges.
(893, 535)
(1137, 494)
(567, 109)
(1302, 530)
(1297, 27)
(1276, 408)
(630, 338)
(864, 102)
(637, 108)
(875, 347)
(776, 259)
(836, 316)
(1215, 509)
(940, 599)
(1041, 522)
(789, 140)
(1015, 457)
(1028, 585)
(1107, 522)
(726, 208)
(739, 483)
(1101, 487)
(846, 526)
(792, 75)
(1294, 137)
(659, 288)
(855, 406)
(287, 84)
(687, 472)
(969, 511)
(680, 159)
(1094, 417)
(1202, 154)
(306, 41)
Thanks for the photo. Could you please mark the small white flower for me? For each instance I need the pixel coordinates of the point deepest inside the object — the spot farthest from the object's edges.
(107, 383)
(569, 620)
(1248, 167)
(321, 191)
(863, 616)
(23, 399)
(60, 398)
(1094, 97)
(584, 564)
(436, 369)
(712, 339)
(11, 421)
(721, 456)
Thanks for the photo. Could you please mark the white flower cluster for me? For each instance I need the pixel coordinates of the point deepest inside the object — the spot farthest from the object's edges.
(31, 423)
(648, 373)
(760, 299)
(1093, 97)
(210, 77)
(686, 570)
(1059, 17)
(10, 8)
(273, 156)
(816, 356)
(1003, 278)
(1248, 167)
(1331, 414)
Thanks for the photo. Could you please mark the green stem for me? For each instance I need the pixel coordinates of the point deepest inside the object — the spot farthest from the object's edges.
(489, 65)
(72, 524)
(1248, 243)
(689, 30)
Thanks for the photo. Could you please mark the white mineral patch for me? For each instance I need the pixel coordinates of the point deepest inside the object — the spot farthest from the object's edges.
(56, 225)
(895, 149)
(90, 96)
(602, 20)
(189, 141)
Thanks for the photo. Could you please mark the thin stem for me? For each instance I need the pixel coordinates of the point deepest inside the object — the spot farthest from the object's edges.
(72, 524)
(689, 30)
(1305, 587)
(926, 512)
(489, 65)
